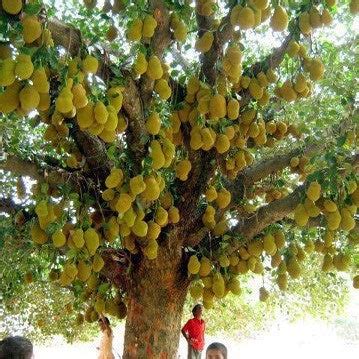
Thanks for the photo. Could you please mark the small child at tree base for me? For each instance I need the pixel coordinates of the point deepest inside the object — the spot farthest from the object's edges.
(106, 340)
(193, 331)
(216, 351)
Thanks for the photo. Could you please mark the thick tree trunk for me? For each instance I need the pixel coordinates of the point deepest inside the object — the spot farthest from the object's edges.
(155, 308)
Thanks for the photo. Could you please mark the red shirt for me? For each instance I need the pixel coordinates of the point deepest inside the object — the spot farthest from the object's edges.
(195, 329)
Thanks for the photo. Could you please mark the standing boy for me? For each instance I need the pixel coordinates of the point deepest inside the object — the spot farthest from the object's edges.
(193, 331)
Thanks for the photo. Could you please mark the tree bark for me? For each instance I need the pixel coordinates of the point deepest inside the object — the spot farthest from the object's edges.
(156, 300)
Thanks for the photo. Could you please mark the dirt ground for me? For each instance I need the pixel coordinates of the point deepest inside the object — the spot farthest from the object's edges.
(304, 339)
(310, 339)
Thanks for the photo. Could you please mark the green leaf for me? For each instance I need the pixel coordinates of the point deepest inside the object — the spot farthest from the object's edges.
(103, 288)
(33, 8)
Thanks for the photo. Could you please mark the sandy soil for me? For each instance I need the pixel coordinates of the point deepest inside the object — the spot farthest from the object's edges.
(306, 339)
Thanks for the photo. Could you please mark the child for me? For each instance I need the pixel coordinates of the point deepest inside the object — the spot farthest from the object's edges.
(16, 347)
(193, 331)
(216, 351)
(106, 340)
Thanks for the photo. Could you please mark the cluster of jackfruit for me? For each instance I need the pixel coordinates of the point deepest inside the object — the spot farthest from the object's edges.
(85, 240)
(336, 218)
(232, 64)
(179, 28)
(26, 88)
(99, 119)
(273, 194)
(215, 277)
(301, 86)
(99, 302)
(211, 283)
(285, 258)
(156, 71)
(249, 17)
(313, 19)
(255, 85)
(253, 14)
(114, 306)
(229, 140)
(33, 31)
(141, 28)
(222, 198)
(124, 197)
(301, 166)
(69, 237)
(237, 162)
(334, 257)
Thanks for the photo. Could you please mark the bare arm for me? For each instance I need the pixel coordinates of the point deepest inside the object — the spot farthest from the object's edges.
(184, 333)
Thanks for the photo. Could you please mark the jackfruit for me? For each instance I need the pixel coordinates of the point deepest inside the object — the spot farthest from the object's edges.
(140, 65)
(24, 67)
(149, 26)
(304, 23)
(279, 20)
(182, 169)
(90, 64)
(204, 43)
(31, 28)
(29, 98)
(12, 7)
(154, 68)
(92, 240)
(134, 31)
(193, 265)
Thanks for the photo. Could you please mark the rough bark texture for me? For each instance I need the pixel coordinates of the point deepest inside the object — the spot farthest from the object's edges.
(65, 36)
(268, 214)
(266, 167)
(7, 205)
(21, 167)
(40, 172)
(94, 150)
(156, 298)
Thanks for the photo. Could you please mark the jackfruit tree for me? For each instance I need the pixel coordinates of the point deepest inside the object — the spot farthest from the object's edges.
(154, 148)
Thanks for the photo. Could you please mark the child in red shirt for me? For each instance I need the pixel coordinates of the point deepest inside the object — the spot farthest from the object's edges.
(193, 331)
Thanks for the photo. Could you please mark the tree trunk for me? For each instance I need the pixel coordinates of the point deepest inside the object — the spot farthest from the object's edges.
(155, 307)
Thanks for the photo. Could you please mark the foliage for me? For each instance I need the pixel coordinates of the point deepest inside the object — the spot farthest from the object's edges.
(146, 139)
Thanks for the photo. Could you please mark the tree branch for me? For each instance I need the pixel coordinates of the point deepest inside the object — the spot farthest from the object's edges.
(52, 175)
(266, 215)
(248, 228)
(21, 167)
(94, 151)
(7, 205)
(203, 162)
(265, 168)
(65, 35)
(191, 190)
(133, 108)
(91, 146)
(221, 36)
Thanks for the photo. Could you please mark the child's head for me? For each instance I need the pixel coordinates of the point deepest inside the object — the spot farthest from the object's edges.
(197, 311)
(216, 351)
(104, 323)
(16, 347)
